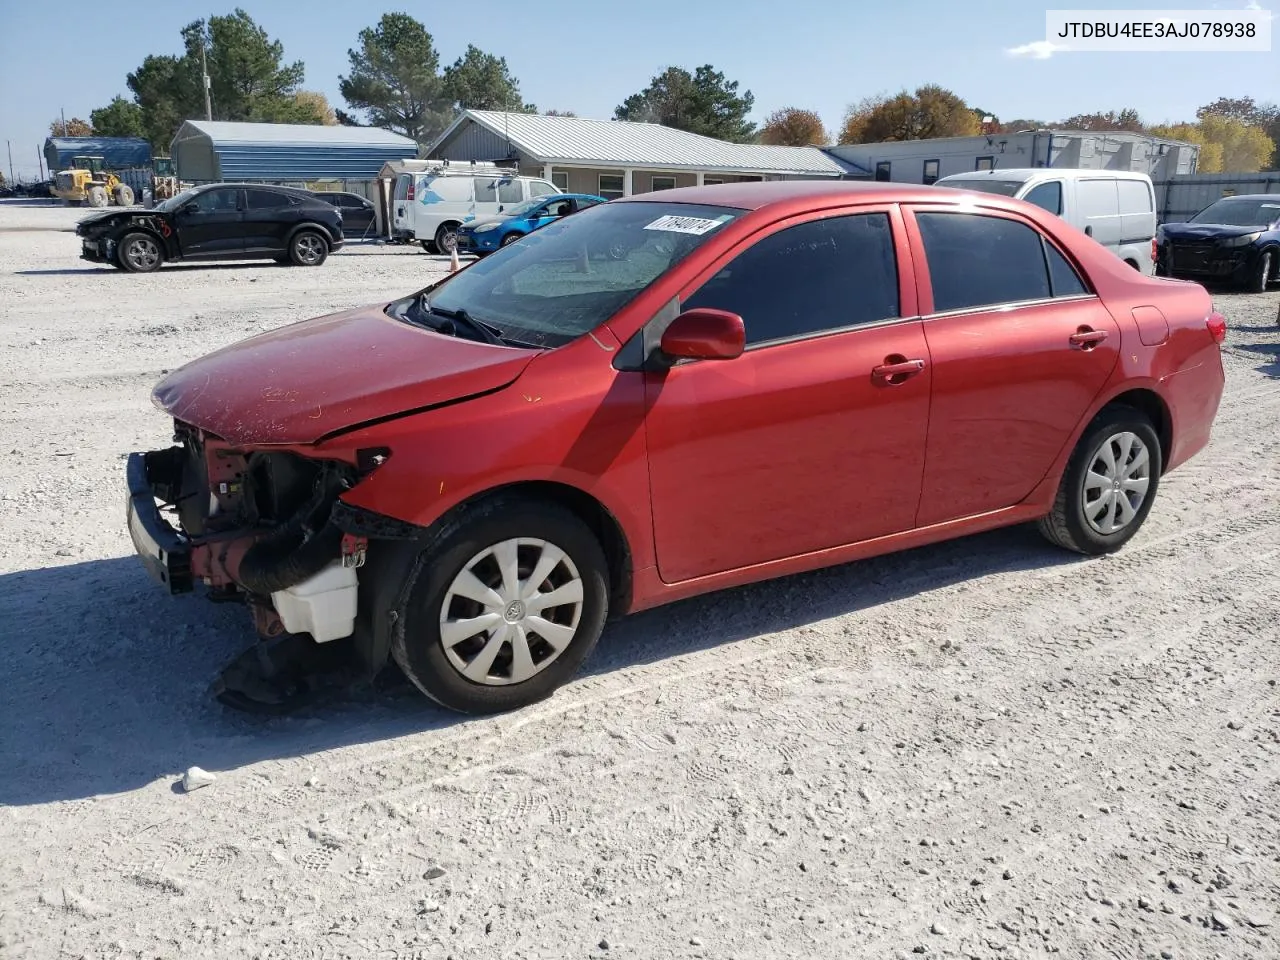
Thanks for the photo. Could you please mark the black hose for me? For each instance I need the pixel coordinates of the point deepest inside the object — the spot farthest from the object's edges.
(288, 557)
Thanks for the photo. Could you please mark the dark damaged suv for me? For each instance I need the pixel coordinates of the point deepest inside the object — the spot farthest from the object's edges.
(221, 221)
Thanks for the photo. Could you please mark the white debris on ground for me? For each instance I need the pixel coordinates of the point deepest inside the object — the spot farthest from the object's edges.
(987, 748)
(195, 778)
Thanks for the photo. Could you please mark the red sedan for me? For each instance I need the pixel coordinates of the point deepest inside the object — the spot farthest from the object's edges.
(667, 395)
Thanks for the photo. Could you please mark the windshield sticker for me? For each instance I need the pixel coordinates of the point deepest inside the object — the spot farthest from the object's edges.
(694, 225)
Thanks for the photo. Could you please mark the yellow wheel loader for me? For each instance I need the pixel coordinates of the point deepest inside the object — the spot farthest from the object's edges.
(88, 182)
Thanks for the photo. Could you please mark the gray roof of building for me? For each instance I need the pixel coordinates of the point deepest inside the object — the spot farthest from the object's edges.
(221, 131)
(621, 143)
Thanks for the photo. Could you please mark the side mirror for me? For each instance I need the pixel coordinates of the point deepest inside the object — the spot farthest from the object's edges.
(705, 334)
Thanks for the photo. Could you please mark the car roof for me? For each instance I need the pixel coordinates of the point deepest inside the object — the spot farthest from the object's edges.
(1045, 173)
(273, 187)
(802, 193)
(1273, 197)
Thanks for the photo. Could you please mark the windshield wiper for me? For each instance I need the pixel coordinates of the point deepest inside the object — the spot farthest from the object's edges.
(488, 333)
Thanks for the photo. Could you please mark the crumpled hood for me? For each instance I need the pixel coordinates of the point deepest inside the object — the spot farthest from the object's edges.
(303, 382)
(472, 224)
(1206, 231)
(101, 219)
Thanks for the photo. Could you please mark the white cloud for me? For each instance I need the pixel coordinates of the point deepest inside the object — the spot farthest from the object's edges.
(1256, 6)
(1036, 50)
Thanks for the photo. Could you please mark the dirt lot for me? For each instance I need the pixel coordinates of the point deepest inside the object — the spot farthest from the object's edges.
(984, 749)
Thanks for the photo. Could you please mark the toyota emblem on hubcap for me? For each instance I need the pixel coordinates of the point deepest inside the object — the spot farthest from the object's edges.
(514, 611)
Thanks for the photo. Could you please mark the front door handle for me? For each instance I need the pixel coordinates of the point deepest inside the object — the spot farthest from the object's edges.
(896, 369)
(1086, 338)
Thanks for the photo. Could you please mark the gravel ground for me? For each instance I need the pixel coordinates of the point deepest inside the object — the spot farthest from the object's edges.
(983, 749)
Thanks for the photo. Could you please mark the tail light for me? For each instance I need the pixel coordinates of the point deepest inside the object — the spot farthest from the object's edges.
(409, 195)
(1217, 325)
(1154, 255)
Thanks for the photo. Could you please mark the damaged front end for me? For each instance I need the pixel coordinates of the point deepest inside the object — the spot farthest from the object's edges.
(262, 527)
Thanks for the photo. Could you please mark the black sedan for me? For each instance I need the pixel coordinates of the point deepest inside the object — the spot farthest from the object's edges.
(1234, 240)
(221, 221)
(357, 211)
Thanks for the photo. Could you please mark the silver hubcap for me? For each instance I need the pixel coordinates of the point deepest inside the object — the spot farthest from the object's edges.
(448, 240)
(1116, 483)
(309, 248)
(142, 253)
(511, 611)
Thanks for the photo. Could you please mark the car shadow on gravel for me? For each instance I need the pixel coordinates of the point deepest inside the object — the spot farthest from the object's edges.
(1269, 367)
(107, 270)
(107, 678)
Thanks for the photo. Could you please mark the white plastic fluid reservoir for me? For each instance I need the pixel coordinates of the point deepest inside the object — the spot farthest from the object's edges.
(323, 606)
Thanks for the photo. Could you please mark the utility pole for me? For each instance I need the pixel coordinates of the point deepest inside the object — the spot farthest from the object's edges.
(204, 72)
(40, 161)
(64, 122)
(12, 178)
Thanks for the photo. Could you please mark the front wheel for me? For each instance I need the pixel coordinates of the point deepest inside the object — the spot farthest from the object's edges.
(1109, 484)
(510, 238)
(1262, 272)
(447, 238)
(97, 196)
(506, 604)
(139, 253)
(308, 249)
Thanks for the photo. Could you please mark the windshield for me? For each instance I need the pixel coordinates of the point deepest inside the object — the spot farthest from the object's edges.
(1240, 212)
(523, 209)
(1005, 188)
(559, 282)
(173, 203)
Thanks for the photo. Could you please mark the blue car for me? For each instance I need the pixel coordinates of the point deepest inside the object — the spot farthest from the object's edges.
(487, 234)
(1234, 240)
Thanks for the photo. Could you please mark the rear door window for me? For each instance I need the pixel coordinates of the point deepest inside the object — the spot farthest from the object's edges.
(540, 188)
(264, 200)
(978, 261)
(486, 189)
(509, 192)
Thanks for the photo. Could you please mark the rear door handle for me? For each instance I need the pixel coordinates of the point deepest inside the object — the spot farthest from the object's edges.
(895, 370)
(1086, 338)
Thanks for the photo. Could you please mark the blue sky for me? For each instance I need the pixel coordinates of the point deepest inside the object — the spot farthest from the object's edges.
(589, 56)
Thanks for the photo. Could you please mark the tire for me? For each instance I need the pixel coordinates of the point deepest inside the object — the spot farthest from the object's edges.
(446, 238)
(123, 195)
(428, 245)
(96, 196)
(140, 253)
(510, 238)
(468, 543)
(1086, 523)
(1262, 272)
(308, 248)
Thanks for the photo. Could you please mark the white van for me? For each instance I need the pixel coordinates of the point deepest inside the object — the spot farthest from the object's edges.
(430, 205)
(1117, 208)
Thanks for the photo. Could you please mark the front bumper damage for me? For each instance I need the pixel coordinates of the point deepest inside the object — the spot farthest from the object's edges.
(293, 556)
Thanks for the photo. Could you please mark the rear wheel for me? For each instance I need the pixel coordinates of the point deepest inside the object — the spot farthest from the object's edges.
(308, 249)
(123, 195)
(447, 238)
(1262, 272)
(506, 604)
(139, 253)
(1109, 484)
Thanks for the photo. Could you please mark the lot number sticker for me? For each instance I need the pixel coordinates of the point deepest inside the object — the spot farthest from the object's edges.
(694, 225)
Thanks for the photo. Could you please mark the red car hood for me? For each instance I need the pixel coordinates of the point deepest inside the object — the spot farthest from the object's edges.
(308, 380)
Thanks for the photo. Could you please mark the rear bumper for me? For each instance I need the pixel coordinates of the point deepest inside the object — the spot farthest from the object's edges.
(164, 551)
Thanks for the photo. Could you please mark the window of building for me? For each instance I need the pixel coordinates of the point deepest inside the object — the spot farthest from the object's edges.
(809, 279)
(612, 186)
(711, 181)
(985, 163)
(561, 179)
(882, 170)
(931, 171)
(978, 261)
(664, 183)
